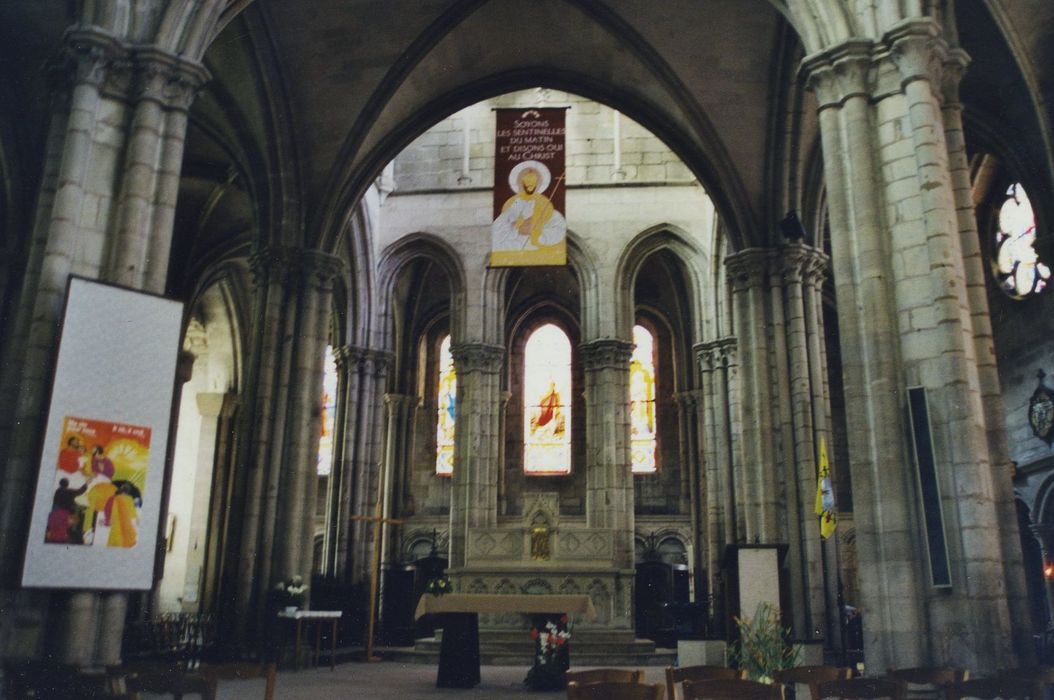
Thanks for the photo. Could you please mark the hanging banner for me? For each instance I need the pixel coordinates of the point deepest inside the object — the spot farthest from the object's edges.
(102, 468)
(529, 184)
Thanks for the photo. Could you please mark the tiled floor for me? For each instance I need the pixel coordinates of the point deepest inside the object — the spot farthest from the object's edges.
(389, 680)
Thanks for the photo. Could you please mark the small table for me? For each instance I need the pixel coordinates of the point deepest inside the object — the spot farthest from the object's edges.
(459, 652)
(316, 616)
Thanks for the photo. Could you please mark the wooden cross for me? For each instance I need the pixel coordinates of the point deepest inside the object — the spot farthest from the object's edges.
(378, 521)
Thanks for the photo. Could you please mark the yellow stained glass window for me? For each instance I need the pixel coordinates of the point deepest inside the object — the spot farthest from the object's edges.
(642, 402)
(1017, 265)
(547, 402)
(329, 408)
(447, 412)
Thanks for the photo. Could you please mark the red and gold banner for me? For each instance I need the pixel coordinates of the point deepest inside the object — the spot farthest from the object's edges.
(529, 184)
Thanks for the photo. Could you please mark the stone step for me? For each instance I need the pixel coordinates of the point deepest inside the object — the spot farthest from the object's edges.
(579, 657)
(516, 647)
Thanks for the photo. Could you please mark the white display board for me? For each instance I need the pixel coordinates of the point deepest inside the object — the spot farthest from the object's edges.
(99, 489)
(759, 576)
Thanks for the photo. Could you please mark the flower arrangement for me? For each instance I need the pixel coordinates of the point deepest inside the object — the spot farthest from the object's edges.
(551, 659)
(291, 593)
(438, 586)
(764, 645)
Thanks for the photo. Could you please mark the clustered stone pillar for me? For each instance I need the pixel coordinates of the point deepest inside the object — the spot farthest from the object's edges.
(760, 479)
(355, 482)
(609, 495)
(292, 323)
(474, 498)
(907, 319)
(717, 363)
(397, 458)
(113, 100)
(983, 338)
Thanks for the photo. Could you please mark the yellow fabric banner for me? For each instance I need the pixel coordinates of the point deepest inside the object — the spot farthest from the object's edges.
(825, 495)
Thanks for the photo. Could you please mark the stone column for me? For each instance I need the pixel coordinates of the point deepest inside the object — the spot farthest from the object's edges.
(474, 493)
(294, 288)
(217, 579)
(609, 479)
(164, 86)
(975, 267)
(747, 272)
(397, 454)
(210, 404)
(366, 466)
(345, 443)
(905, 320)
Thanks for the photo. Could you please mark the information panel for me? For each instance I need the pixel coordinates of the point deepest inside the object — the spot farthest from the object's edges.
(98, 494)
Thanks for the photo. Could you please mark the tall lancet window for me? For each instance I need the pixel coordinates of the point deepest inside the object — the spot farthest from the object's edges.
(446, 394)
(547, 402)
(329, 409)
(642, 402)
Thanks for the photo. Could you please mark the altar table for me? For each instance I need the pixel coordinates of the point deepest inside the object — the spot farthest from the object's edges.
(316, 616)
(459, 652)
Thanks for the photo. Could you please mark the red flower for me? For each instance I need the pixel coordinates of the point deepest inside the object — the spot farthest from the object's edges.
(534, 633)
(563, 619)
(560, 641)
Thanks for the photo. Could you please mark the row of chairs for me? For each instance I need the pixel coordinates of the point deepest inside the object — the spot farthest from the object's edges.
(719, 683)
(38, 680)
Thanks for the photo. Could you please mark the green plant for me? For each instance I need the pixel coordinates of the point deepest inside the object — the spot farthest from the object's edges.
(764, 645)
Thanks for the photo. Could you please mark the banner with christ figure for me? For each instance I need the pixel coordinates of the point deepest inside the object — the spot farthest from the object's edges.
(529, 227)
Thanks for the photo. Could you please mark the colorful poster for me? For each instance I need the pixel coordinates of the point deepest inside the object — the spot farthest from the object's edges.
(100, 476)
(529, 227)
(100, 481)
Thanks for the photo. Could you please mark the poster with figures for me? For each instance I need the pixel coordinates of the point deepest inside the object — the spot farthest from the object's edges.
(99, 480)
(101, 477)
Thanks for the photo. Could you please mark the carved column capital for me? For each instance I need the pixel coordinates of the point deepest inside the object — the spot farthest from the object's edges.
(839, 73)
(747, 268)
(477, 357)
(347, 357)
(288, 265)
(375, 363)
(728, 351)
(606, 353)
(399, 404)
(953, 70)
(92, 56)
(170, 80)
(817, 263)
(918, 51)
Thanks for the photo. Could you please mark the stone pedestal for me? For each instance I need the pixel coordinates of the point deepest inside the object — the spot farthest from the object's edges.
(702, 652)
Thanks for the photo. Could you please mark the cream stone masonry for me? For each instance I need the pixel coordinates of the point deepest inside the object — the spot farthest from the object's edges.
(892, 208)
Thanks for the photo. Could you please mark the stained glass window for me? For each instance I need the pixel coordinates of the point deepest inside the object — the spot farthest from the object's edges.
(547, 402)
(329, 409)
(447, 412)
(642, 402)
(1017, 266)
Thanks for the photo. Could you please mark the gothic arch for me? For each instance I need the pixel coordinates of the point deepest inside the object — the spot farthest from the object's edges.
(640, 249)
(393, 261)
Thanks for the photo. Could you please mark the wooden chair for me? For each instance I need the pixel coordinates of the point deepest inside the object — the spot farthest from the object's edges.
(862, 688)
(614, 691)
(1040, 676)
(604, 675)
(1003, 687)
(242, 670)
(698, 673)
(731, 689)
(160, 678)
(811, 676)
(926, 681)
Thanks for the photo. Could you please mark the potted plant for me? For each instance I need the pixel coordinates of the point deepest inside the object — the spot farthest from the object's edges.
(764, 645)
(291, 594)
(551, 659)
